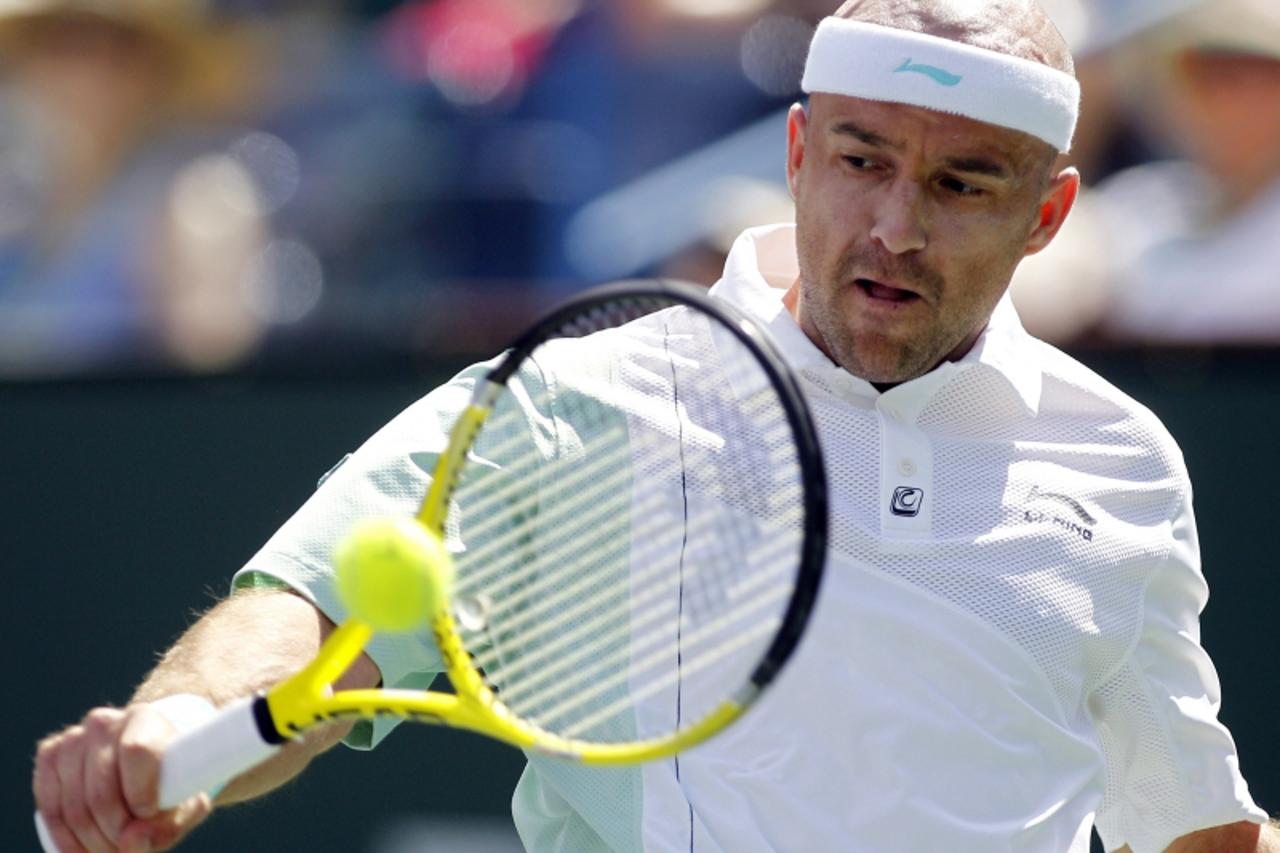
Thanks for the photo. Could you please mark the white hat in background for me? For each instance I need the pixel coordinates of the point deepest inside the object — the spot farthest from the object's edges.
(1230, 26)
(1097, 26)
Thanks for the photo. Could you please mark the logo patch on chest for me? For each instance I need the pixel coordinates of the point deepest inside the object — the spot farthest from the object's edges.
(907, 502)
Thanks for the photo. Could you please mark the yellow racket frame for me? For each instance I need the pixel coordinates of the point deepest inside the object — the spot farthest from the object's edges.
(307, 699)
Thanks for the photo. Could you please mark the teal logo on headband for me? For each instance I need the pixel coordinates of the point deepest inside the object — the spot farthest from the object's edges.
(944, 78)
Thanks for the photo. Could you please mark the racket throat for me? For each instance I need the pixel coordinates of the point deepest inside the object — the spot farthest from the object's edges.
(299, 702)
(266, 723)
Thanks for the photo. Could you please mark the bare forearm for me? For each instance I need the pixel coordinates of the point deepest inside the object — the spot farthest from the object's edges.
(245, 644)
(1269, 839)
(96, 783)
(1241, 837)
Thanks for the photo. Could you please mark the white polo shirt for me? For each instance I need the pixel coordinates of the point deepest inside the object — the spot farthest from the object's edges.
(1005, 649)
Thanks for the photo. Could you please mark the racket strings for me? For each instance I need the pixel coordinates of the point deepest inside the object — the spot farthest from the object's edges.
(584, 540)
(532, 625)
(600, 479)
(760, 629)
(578, 532)
(560, 673)
(497, 507)
(610, 649)
(605, 596)
(588, 483)
(606, 640)
(641, 616)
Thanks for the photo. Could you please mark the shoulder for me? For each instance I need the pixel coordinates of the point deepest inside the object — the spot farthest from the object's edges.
(1089, 408)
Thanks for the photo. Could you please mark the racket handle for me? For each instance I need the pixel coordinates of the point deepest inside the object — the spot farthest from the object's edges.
(213, 753)
(46, 840)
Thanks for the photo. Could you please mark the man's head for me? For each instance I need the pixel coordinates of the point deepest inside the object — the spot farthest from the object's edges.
(910, 219)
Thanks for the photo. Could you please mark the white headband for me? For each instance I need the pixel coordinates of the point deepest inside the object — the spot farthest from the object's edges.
(886, 64)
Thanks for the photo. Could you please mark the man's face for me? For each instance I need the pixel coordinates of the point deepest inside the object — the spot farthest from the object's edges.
(909, 224)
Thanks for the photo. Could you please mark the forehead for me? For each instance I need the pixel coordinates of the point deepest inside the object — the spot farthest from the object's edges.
(907, 127)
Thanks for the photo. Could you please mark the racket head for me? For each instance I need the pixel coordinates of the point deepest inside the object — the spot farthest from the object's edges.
(637, 508)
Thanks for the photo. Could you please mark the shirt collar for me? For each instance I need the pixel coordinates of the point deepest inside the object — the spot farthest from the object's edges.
(762, 265)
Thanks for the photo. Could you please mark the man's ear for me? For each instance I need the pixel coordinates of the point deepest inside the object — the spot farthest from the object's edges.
(797, 124)
(1055, 204)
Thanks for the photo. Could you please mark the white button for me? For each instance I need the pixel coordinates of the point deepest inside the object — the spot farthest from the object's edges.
(892, 412)
(906, 467)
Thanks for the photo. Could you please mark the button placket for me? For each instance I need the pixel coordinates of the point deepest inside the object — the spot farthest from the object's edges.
(906, 478)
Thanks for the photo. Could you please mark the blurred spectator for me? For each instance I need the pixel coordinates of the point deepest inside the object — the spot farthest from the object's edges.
(520, 112)
(451, 159)
(1207, 259)
(700, 132)
(476, 52)
(674, 219)
(124, 222)
(1182, 250)
(1117, 126)
(647, 82)
(406, 177)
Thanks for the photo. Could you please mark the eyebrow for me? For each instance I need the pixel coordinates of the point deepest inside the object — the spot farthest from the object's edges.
(971, 165)
(978, 166)
(848, 128)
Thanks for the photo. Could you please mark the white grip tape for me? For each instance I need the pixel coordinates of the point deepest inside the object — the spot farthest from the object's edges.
(46, 840)
(209, 755)
(184, 711)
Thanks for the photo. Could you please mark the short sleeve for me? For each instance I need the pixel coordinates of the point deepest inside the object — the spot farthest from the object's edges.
(388, 475)
(1171, 766)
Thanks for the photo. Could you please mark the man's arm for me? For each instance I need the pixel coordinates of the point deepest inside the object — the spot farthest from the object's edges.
(95, 783)
(1241, 837)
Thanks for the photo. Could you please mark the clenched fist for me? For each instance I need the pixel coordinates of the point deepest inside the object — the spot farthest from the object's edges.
(96, 784)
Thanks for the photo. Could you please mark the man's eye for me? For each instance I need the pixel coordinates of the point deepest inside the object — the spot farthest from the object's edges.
(960, 187)
(860, 163)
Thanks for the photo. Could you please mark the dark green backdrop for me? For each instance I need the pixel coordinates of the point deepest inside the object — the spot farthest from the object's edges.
(127, 504)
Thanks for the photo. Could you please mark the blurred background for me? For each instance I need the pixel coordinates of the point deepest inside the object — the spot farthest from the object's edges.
(237, 235)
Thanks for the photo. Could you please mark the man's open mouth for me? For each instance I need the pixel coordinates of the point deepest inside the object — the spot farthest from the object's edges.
(884, 292)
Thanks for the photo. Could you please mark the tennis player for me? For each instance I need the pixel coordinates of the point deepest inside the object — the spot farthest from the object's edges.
(1005, 654)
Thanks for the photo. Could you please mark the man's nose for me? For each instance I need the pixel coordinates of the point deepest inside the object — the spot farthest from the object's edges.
(899, 219)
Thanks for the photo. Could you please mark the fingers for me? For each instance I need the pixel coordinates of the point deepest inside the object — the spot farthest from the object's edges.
(84, 795)
(167, 828)
(101, 777)
(141, 745)
(60, 792)
(44, 781)
(91, 805)
(48, 793)
(63, 839)
(96, 784)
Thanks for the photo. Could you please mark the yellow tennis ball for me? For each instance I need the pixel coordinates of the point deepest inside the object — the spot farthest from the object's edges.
(393, 573)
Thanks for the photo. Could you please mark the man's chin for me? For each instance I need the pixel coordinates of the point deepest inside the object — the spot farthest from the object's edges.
(888, 366)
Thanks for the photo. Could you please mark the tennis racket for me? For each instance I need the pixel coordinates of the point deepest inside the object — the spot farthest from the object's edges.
(634, 516)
